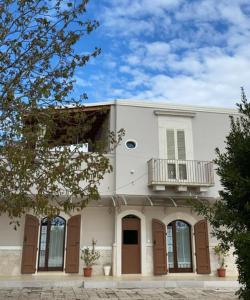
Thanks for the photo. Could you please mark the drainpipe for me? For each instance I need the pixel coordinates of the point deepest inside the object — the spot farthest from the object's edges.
(115, 124)
(114, 248)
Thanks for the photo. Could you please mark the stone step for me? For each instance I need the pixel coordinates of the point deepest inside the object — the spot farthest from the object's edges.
(129, 284)
(116, 282)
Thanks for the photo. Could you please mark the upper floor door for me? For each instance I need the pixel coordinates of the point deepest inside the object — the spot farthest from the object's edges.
(175, 138)
(175, 146)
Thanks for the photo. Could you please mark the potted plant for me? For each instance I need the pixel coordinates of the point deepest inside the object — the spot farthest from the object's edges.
(221, 254)
(89, 256)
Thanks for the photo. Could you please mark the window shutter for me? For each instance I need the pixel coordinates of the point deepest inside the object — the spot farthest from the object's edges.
(170, 144)
(181, 145)
(73, 244)
(159, 247)
(202, 247)
(30, 245)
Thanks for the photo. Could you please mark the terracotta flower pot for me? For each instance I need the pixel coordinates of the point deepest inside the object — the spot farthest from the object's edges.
(221, 272)
(87, 272)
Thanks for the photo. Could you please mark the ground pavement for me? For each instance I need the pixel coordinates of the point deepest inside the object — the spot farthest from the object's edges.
(112, 294)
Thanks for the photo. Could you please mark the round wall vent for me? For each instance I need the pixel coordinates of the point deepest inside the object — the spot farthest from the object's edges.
(131, 144)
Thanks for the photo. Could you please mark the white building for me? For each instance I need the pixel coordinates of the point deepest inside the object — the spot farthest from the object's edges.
(143, 223)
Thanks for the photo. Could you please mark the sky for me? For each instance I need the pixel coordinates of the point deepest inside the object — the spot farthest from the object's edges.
(194, 52)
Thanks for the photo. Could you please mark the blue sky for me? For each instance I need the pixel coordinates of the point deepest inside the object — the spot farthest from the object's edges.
(176, 51)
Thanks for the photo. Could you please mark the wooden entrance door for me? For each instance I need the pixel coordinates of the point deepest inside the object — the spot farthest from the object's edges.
(202, 247)
(131, 245)
(159, 247)
(30, 245)
(51, 249)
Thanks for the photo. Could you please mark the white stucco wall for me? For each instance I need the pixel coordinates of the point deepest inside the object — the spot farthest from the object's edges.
(165, 215)
(104, 225)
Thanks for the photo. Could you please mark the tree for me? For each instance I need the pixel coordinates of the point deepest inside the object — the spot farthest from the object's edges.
(38, 61)
(230, 215)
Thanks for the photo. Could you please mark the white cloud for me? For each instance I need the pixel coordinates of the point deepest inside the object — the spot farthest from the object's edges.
(81, 82)
(151, 55)
(194, 52)
(135, 17)
(189, 64)
(158, 49)
(218, 84)
(133, 60)
(125, 69)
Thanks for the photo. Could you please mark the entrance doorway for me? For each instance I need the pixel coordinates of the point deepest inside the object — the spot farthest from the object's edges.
(131, 245)
(179, 247)
(51, 246)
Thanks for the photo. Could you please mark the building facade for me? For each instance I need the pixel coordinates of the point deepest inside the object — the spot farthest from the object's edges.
(144, 222)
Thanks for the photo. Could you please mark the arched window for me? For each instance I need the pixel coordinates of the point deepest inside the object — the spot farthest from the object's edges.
(51, 248)
(179, 247)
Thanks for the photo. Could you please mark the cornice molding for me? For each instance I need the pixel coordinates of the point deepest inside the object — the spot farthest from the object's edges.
(175, 113)
(166, 106)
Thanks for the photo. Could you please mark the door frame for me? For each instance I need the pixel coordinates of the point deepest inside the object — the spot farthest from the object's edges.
(49, 269)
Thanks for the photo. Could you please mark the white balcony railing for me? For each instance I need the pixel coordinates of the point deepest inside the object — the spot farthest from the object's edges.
(180, 172)
(80, 147)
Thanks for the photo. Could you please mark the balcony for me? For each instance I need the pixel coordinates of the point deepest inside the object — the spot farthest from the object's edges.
(180, 173)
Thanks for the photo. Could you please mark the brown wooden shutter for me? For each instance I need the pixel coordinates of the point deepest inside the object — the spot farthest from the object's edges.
(30, 245)
(202, 247)
(159, 247)
(73, 244)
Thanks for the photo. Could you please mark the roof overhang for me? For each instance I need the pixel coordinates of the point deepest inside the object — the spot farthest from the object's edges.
(120, 200)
